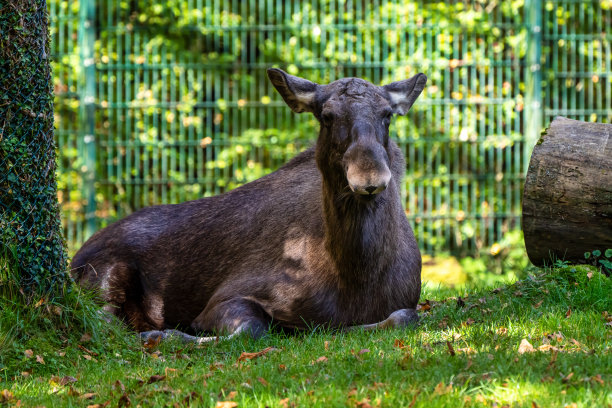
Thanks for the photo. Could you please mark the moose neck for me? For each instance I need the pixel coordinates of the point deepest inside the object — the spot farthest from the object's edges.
(359, 236)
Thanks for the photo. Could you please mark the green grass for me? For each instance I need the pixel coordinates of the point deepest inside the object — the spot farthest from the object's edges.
(464, 353)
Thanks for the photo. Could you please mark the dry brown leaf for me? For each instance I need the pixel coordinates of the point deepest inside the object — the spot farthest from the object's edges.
(72, 392)
(442, 389)
(547, 347)
(152, 342)
(451, 350)
(39, 359)
(399, 344)
(6, 396)
(534, 405)
(250, 356)
(525, 347)
(321, 359)
(423, 307)
(590, 275)
(414, 398)
(502, 331)
(326, 345)
(363, 351)
(88, 395)
(124, 401)
(567, 377)
(536, 306)
(67, 380)
(470, 321)
(226, 404)
(169, 371)
(28, 353)
(87, 357)
(598, 379)
(568, 313)
(263, 381)
(85, 338)
(284, 403)
(39, 303)
(364, 403)
(88, 351)
(282, 367)
(26, 373)
(232, 394)
(156, 378)
(118, 385)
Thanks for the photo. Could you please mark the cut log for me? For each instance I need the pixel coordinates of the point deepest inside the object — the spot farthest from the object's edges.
(567, 200)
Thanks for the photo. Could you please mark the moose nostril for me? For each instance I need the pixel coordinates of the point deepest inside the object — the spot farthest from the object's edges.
(371, 189)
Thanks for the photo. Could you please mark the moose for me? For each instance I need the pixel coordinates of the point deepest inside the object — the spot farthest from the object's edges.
(323, 240)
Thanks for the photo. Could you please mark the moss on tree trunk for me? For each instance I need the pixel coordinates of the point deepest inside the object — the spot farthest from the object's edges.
(32, 243)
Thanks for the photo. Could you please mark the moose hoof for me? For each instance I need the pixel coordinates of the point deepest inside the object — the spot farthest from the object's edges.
(402, 318)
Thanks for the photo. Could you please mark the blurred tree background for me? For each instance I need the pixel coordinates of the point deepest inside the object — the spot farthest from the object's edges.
(162, 102)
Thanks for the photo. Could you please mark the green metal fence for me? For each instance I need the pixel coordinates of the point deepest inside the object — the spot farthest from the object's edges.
(162, 103)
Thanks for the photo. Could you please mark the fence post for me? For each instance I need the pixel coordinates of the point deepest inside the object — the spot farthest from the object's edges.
(533, 77)
(88, 89)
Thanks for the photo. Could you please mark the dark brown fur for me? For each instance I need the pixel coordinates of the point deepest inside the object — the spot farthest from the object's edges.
(302, 245)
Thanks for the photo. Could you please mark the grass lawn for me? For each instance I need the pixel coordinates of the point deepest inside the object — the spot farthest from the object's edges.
(544, 341)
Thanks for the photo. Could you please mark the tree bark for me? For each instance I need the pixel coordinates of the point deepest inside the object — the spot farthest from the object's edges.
(32, 251)
(567, 201)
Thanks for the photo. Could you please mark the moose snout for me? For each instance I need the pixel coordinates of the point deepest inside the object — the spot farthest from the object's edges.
(367, 174)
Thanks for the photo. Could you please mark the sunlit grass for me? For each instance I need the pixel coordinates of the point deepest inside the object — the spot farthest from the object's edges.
(465, 352)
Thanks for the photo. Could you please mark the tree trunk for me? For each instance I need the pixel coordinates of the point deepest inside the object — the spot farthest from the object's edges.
(32, 250)
(567, 201)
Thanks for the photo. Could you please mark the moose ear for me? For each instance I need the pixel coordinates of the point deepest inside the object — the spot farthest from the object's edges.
(298, 93)
(402, 94)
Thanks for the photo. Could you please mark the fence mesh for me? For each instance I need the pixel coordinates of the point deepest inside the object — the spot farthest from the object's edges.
(32, 245)
(162, 103)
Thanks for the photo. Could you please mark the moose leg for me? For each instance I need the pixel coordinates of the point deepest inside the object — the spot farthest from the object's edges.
(398, 319)
(235, 317)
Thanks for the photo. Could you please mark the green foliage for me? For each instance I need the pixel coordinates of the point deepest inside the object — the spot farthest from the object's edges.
(30, 231)
(594, 258)
(184, 109)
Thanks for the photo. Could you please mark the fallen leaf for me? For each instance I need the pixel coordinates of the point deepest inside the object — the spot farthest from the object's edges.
(226, 404)
(72, 392)
(414, 398)
(152, 342)
(567, 377)
(598, 379)
(67, 380)
(534, 405)
(451, 350)
(250, 356)
(87, 357)
(156, 378)
(568, 313)
(26, 373)
(326, 345)
(536, 306)
(85, 338)
(363, 351)
(352, 392)
(232, 394)
(28, 353)
(169, 370)
(443, 324)
(399, 344)
(483, 300)
(118, 385)
(460, 302)
(525, 347)
(590, 275)
(282, 367)
(470, 321)
(502, 331)
(423, 307)
(263, 381)
(88, 395)
(88, 351)
(284, 403)
(364, 403)
(496, 290)
(39, 303)
(6, 396)
(39, 359)
(442, 389)
(124, 401)
(321, 359)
